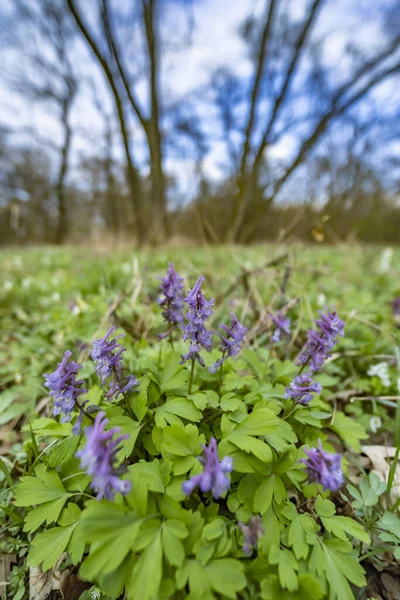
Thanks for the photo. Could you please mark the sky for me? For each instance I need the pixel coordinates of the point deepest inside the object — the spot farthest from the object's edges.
(215, 42)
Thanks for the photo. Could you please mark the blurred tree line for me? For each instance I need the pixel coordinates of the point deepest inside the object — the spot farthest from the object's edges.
(339, 181)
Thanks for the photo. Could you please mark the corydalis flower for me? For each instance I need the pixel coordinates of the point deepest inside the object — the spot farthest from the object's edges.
(171, 288)
(77, 428)
(282, 324)
(302, 389)
(320, 343)
(64, 387)
(213, 478)
(230, 342)
(252, 533)
(199, 309)
(324, 468)
(107, 355)
(98, 458)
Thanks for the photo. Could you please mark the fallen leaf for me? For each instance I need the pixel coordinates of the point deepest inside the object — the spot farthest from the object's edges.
(380, 458)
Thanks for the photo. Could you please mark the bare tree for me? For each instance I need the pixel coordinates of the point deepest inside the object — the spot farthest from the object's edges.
(121, 83)
(366, 75)
(44, 33)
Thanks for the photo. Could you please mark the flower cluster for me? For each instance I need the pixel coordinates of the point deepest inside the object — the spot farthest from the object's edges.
(98, 458)
(199, 310)
(381, 370)
(324, 468)
(230, 342)
(282, 324)
(302, 389)
(172, 303)
(320, 343)
(107, 355)
(214, 476)
(64, 387)
(252, 533)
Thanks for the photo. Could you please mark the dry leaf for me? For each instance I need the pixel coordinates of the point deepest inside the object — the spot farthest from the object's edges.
(5, 564)
(381, 458)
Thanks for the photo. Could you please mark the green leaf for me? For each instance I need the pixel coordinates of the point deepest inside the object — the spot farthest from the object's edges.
(324, 508)
(130, 428)
(287, 567)
(271, 487)
(48, 546)
(259, 422)
(332, 559)
(146, 577)
(309, 589)
(226, 576)
(340, 526)
(182, 441)
(112, 531)
(173, 376)
(349, 430)
(173, 532)
(63, 450)
(45, 487)
(177, 407)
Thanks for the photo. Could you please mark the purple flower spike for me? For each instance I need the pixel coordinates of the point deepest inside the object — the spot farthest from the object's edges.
(171, 288)
(252, 533)
(282, 324)
(98, 457)
(199, 310)
(213, 478)
(302, 389)
(320, 343)
(231, 343)
(107, 355)
(324, 468)
(64, 387)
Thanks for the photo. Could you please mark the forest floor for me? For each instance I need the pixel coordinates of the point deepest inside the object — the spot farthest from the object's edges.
(54, 299)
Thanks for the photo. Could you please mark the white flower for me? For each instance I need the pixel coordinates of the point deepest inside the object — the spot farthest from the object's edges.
(386, 259)
(8, 285)
(95, 593)
(375, 423)
(56, 297)
(321, 299)
(26, 283)
(380, 370)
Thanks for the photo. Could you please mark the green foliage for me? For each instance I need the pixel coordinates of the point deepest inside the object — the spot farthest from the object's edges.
(155, 542)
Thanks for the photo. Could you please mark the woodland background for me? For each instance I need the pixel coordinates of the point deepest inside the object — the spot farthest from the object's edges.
(218, 121)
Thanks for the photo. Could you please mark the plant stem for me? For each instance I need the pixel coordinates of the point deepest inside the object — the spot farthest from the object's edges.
(392, 473)
(220, 375)
(191, 377)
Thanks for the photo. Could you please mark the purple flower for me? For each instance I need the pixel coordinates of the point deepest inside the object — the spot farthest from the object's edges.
(199, 309)
(252, 533)
(324, 468)
(64, 387)
(231, 343)
(320, 343)
(98, 457)
(396, 308)
(302, 389)
(107, 355)
(282, 324)
(213, 478)
(171, 287)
